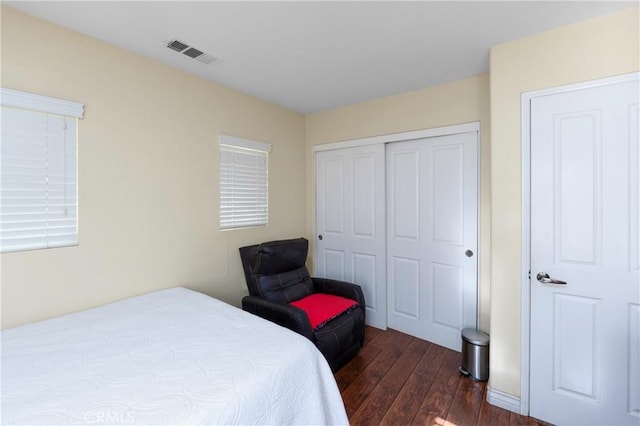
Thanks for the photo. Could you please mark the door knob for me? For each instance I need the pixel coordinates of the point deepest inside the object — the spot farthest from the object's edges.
(320, 237)
(543, 277)
(468, 253)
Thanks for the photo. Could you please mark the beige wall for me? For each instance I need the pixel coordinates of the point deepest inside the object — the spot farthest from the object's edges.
(459, 102)
(588, 50)
(148, 175)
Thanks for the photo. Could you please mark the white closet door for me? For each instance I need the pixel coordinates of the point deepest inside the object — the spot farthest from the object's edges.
(350, 223)
(585, 262)
(432, 237)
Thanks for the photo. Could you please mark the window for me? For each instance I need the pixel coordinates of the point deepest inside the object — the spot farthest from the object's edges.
(38, 174)
(244, 182)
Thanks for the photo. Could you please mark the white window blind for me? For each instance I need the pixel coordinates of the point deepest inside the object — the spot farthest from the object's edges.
(244, 182)
(38, 172)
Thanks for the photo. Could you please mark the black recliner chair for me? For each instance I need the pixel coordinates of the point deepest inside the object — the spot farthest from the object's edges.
(276, 276)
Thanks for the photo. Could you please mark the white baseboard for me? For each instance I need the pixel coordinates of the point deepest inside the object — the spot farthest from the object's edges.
(503, 400)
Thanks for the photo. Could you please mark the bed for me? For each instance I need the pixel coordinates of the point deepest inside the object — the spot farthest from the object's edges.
(170, 357)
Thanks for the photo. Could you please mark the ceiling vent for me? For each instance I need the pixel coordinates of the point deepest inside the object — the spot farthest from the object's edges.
(192, 52)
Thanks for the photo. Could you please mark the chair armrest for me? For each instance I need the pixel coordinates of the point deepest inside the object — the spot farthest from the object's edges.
(340, 288)
(288, 316)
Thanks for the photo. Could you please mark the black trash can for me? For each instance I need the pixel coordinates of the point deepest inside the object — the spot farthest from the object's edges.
(475, 354)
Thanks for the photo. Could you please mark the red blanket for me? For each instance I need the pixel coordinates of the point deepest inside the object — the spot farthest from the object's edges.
(322, 308)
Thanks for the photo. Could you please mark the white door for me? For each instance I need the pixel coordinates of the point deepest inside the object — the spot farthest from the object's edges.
(432, 218)
(585, 345)
(350, 209)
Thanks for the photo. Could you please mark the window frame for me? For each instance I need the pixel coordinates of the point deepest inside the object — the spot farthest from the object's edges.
(251, 150)
(65, 113)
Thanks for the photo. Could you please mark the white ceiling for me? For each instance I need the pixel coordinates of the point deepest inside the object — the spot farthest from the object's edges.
(315, 55)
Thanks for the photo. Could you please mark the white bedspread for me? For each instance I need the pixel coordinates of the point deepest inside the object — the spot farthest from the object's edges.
(170, 357)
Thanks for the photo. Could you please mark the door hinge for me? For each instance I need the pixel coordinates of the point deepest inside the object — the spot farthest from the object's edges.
(529, 274)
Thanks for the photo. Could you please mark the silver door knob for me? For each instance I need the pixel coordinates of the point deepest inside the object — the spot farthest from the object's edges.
(543, 277)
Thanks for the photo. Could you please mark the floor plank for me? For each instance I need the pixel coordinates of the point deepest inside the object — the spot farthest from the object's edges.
(492, 415)
(467, 402)
(378, 402)
(406, 404)
(398, 379)
(436, 403)
(358, 391)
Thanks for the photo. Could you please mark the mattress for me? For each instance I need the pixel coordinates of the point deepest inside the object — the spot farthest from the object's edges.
(169, 357)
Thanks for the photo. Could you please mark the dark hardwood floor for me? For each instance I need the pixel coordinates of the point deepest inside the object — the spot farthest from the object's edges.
(398, 379)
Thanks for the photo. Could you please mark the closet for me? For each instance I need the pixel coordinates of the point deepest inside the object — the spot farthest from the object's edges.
(398, 215)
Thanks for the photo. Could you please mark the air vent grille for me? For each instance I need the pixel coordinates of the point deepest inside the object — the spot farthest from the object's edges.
(176, 45)
(192, 52)
(207, 59)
